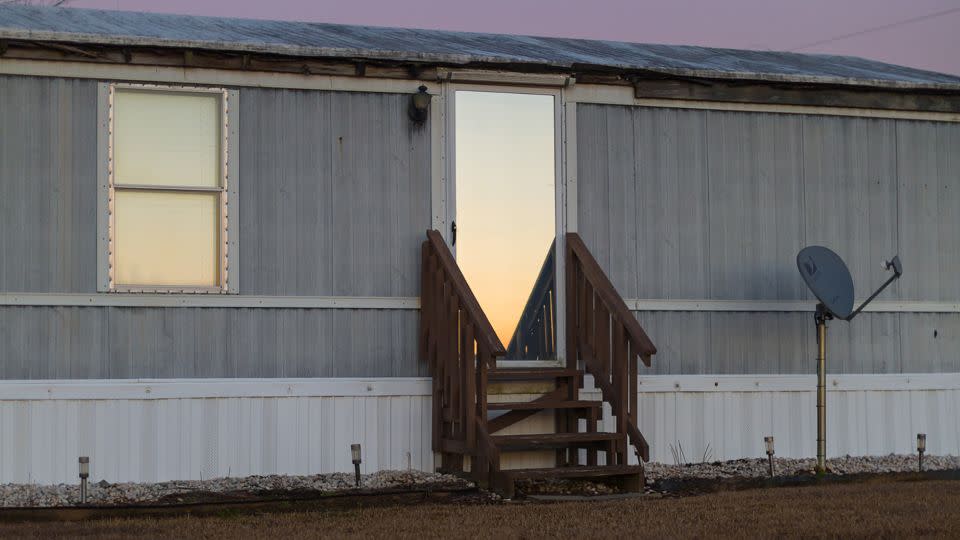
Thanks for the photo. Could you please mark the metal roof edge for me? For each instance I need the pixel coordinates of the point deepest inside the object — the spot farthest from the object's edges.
(350, 53)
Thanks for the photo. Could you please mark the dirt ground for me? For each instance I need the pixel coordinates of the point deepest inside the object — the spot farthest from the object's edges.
(891, 509)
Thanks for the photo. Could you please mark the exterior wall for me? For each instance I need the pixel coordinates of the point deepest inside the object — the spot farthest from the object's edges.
(155, 430)
(334, 201)
(693, 204)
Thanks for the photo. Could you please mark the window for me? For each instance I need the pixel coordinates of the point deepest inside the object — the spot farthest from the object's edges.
(168, 189)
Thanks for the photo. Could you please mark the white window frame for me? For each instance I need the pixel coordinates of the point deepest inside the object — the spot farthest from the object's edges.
(227, 191)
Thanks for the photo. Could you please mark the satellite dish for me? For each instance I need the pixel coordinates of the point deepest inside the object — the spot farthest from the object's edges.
(828, 278)
(830, 281)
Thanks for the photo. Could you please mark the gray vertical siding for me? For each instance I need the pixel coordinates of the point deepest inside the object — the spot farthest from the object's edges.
(124, 343)
(335, 193)
(850, 194)
(722, 202)
(48, 181)
(928, 171)
(335, 199)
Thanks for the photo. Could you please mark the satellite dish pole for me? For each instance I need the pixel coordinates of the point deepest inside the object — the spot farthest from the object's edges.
(820, 318)
(829, 279)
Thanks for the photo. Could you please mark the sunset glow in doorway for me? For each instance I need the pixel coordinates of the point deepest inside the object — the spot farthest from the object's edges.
(505, 192)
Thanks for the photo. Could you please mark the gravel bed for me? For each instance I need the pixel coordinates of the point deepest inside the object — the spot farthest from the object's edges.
(745, 468)
(106, 494)
(752, 468)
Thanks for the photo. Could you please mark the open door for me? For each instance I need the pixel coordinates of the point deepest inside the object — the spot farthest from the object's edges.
(505, 227)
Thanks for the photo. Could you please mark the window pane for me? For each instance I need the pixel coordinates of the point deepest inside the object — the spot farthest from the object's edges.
(163, 238)
(166, 139)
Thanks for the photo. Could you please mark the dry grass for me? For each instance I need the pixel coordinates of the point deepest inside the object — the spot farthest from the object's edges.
(895, 509)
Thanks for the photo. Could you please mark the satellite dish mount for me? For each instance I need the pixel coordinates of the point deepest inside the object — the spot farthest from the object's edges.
(829, 279)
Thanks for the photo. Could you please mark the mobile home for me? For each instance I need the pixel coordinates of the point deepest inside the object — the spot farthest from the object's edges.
(215, 259)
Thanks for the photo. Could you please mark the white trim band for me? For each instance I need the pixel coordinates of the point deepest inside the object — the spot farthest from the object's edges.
(790, 306)
(797, 383)
(209, 301)
(212, 388)
(210, 77)
(413, 302)
(153, 389)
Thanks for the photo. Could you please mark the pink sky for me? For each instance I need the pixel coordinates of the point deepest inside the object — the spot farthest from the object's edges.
(931, 43)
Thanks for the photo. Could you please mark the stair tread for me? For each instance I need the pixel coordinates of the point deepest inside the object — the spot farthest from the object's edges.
(530, 373)
(580, 471)
(552, 440)
(543, 404)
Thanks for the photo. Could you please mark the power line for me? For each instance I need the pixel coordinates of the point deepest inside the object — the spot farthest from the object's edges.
(876, 28)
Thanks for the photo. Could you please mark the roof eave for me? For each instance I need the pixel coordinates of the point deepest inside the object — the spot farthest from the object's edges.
(454, 59)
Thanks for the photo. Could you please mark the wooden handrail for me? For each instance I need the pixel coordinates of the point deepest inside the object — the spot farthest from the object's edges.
(605, 290)
(460, 346)
(468, 302)
(534, 336)
(603, 334)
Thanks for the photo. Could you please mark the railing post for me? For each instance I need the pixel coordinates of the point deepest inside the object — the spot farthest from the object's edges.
(571, 309)
(468, 365)
(453, 370)
(483, 463)
(602, 340)
(632, 394)
(620, 383)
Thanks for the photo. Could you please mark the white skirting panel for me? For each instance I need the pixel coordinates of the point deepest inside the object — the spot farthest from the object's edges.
(866, 415)
(192, 437)
(137, 430)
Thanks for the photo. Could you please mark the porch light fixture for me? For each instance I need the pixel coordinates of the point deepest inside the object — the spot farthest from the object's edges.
(419, 105)
(355, 455)
(84, 462)
(921, 448)
(768, 441)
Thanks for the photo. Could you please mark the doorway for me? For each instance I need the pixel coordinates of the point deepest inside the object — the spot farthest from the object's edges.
(505, 223)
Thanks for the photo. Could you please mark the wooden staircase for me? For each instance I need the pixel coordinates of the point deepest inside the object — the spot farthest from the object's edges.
(603, 339)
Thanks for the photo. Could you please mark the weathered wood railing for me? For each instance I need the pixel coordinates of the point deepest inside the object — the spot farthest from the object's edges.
(460, 345)
(606, 337)
(535, 335)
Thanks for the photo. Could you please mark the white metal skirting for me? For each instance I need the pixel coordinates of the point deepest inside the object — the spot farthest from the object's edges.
(154, 430)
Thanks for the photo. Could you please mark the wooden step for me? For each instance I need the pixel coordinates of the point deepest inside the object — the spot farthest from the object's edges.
(544, 441)
(530, 374)
(543, 404)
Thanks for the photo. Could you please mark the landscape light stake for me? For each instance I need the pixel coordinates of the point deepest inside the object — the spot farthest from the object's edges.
(769, 442)
(84, 474)
(355, 454)
(921, 448)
